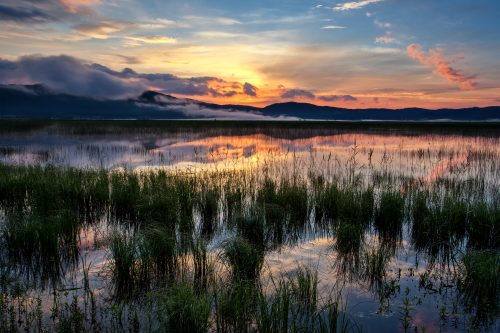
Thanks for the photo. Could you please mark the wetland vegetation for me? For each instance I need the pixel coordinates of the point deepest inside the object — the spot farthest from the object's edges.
(326, 229)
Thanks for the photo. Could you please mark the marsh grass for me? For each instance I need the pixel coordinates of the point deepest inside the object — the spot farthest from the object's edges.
(244, 258)
(124, 253)
(181, 309)
(209, 207)
(439, 226)
(165, 224)
(479, 285)
(125, 192)
(351, 205)
(349, 241)
(389, 218)
(483, 227)
(234, 305)
(294, 306)
(375, 264)
(158, 252)
(42, 247)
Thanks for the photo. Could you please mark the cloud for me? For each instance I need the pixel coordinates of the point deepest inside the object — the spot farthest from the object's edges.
(249, 89)
(201, 20)
(73, 76)
(386, 40)
(337, 98)
(43, 11)
(294, 93)
(218, 34)
(354, 5)
(20, 14)
(73, 5)
(130, 60)
(382, 25)
(435, 59)
(198, 111)
(68, 75)
(161, 23)
(103, 29)
(333, 27)
(153, 39)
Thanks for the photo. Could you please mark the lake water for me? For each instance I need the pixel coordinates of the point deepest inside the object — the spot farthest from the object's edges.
(369, 156)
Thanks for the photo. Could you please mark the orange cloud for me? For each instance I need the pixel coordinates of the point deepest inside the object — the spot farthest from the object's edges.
(434, 58)
(72, 5)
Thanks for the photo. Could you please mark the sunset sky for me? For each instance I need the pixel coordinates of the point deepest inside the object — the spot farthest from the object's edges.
(359, 54)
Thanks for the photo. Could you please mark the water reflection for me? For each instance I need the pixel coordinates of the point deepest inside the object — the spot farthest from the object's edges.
(383, 217)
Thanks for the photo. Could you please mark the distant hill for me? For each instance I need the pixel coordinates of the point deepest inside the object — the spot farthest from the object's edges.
(38, 102)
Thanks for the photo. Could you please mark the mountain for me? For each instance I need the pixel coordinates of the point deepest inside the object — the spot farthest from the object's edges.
(311, 111)
(39, 102)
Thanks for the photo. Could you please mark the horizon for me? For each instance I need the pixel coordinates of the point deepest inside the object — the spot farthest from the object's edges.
(261, 107)
(347, 54)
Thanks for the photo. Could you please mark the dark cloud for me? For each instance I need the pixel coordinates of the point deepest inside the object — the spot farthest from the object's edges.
(336, 98)
(168, 83)
(293, 93)
(249, 89)
(68, 75)
(42, 11)
(73, 76)
(24, 14)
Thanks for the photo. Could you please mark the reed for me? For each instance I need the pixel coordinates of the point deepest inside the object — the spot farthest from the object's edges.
(245, 259)
(123, 255)
(182, 310)
(483, 227)
(389, 217)
(480, 287)
(41, 247)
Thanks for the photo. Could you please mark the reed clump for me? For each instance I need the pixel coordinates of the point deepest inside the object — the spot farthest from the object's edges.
(389, 217)
(245, 258)
(479, 285)
(181, 309)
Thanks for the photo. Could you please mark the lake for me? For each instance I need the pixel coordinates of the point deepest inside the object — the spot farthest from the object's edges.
(393, 226)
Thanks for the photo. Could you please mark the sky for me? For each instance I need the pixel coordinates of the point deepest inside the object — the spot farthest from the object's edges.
(354, 54)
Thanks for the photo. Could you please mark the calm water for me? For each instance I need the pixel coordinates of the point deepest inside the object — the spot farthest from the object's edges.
(425, 156)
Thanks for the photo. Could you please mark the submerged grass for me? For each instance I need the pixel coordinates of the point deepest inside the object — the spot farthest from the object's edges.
(245, 258)
(479, 285)
(182, 310)
(41, 247)
(389, 218)
(164, 225)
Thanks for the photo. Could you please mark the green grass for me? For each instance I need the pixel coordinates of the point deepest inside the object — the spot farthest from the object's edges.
(123, 255)
(42, 247)
(182, 310)
(480, 286)
(389, 217)
(209, 206)
(345, 204)
(158, 251)
(439, 227)
(483, 227)
(245, 258)
(165, 224)
(375, 266)
(235, 303)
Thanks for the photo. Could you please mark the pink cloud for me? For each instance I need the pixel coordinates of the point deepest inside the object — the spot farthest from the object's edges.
(434, 58)
(72, 5)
